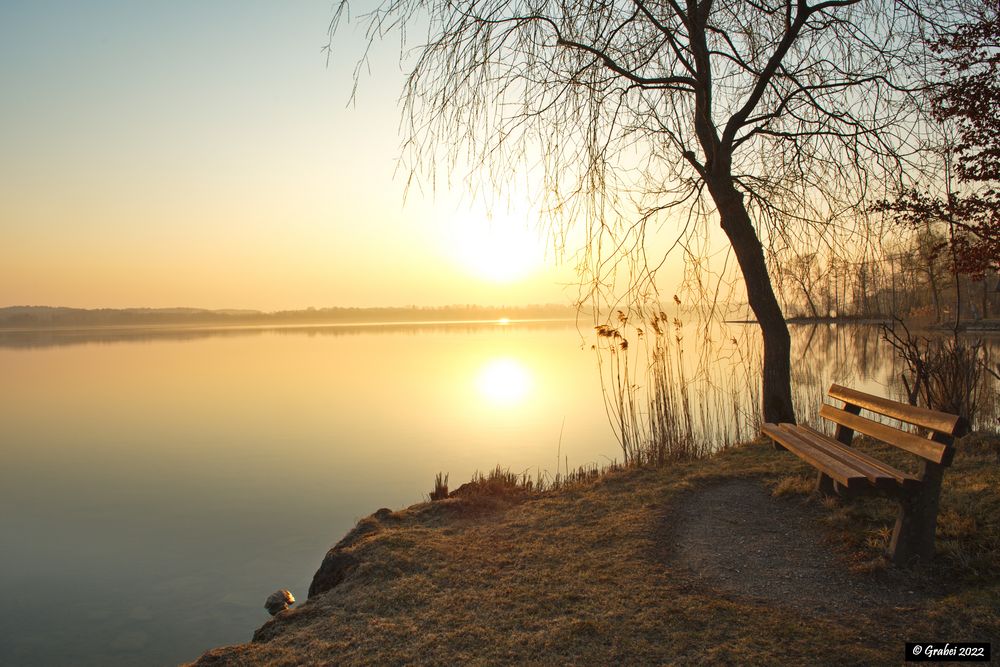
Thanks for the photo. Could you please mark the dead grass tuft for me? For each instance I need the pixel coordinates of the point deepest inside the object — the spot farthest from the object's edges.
(498, 482)
(878, 539)
(440, 491)
(830, 502)
(793, 485)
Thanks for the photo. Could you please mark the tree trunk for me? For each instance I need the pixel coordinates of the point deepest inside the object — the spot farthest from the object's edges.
(777, 389)
(809, 301)
(932, 278)
(986, 300)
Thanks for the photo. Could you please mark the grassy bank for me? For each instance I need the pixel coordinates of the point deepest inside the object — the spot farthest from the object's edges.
(584, 575)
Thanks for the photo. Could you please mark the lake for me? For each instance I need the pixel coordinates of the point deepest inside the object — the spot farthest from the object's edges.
(158, 484)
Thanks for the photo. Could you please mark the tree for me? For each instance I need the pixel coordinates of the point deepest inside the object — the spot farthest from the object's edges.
(805, 272)
(927, 260)
(773, 115)
(968, 98)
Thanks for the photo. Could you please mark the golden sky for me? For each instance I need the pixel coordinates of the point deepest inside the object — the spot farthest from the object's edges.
(203, 154)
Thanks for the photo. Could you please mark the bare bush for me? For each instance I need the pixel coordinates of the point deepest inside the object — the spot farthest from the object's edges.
(943, 373)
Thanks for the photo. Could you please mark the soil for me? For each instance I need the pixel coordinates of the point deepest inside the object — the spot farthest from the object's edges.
(735, 537)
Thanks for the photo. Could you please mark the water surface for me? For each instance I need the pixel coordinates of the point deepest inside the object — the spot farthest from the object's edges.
(158, 484)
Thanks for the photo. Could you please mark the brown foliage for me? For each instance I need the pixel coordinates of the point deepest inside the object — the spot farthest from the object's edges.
(969, 97)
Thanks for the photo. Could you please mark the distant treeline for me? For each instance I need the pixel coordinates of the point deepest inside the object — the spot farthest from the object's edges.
(46, 316)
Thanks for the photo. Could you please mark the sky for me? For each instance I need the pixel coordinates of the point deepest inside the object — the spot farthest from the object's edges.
(204, 154)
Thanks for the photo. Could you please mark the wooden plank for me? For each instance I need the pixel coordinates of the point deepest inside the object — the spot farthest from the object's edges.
(842, 473)
(947, 441)
(847, 456)
(931, 419)
(836, 470)
(905, 478)
(928, 449)
(863, 461)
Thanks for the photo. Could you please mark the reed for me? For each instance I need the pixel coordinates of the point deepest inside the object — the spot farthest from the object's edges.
(664, 407)
(440, 491)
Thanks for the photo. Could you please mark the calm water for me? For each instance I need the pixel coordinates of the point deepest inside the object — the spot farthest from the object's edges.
(156, 486)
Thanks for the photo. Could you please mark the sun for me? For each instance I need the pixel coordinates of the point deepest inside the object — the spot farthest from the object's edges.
(504, 381)
(498, 248)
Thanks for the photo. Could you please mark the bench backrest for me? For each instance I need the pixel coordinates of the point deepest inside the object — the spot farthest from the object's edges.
(936, 447)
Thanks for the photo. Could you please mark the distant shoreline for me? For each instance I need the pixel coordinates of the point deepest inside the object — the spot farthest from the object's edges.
(167, 327)
(47, 318)
(983, 325)
(32, 319)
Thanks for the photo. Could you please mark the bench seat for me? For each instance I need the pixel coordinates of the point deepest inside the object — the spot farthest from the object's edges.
(852, 469)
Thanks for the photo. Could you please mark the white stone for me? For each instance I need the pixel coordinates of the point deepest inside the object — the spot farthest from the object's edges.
(278, 601)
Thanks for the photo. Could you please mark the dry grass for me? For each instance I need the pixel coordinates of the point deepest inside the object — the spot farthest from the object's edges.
(793, 485)
(578, 576)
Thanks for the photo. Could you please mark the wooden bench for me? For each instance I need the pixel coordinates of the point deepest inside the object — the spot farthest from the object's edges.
(844, 470)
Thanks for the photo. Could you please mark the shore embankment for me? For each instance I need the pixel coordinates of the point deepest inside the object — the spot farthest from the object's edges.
(728, 560)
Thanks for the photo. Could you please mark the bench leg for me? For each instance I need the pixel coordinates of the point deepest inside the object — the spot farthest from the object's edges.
(824, 485)
(913, 537)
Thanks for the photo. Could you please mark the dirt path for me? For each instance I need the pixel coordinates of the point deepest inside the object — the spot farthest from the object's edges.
(736, 537)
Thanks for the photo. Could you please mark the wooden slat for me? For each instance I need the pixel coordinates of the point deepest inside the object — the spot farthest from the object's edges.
(899, 478)
(847, 456)
(948, 442)
(928, 449)
(836, 470)
(931, 419)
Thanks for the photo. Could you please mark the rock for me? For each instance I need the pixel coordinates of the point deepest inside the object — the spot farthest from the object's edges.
(332, 571)
(339, 561)
(278, 601)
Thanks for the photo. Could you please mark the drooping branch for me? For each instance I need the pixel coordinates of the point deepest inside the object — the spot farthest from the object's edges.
(774, 117)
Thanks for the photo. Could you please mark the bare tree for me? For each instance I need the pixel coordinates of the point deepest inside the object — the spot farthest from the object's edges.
(635, 116)
(804, 271)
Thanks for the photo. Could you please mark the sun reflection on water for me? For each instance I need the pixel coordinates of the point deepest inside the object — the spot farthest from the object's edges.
(504, 381)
